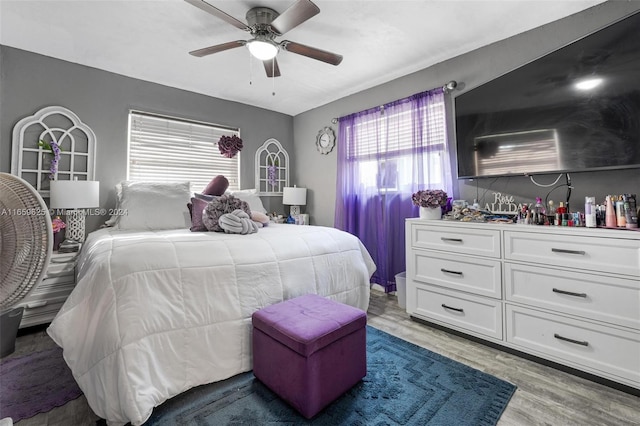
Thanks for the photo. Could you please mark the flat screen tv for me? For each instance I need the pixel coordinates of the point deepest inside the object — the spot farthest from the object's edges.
(575, 109)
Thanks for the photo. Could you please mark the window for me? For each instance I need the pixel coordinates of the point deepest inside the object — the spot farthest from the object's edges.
(170, 149)
(392, 153)
(385, 155)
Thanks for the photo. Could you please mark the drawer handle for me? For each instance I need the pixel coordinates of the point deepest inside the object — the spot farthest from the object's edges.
(446, 271)
(566, 339)
(453, 309)
(580, 252)
(454, 240)
(569, 293)
(39, 304)
(63, 260)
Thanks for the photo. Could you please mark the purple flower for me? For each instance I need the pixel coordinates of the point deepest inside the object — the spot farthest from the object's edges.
(430, 198)
(229, 146)
(55, 151)
(58, 224)
(271, 171)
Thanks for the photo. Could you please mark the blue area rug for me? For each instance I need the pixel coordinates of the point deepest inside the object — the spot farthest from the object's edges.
(405, 385)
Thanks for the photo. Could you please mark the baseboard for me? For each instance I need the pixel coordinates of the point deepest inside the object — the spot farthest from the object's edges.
(574, 371)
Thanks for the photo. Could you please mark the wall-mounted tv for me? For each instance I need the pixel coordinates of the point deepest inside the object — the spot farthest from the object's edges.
(575, 109)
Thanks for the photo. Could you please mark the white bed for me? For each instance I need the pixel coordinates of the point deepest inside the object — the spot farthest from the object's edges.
(155, 313)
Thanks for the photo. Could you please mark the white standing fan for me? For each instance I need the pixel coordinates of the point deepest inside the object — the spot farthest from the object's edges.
(26, 239)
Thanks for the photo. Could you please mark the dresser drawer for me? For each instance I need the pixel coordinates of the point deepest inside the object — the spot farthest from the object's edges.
(41, 312)
(473, 274)
(482, 242)
(60, 270)
(598, 297)
(473, 313)
(614, 255)
(606, 349)
(38, 297)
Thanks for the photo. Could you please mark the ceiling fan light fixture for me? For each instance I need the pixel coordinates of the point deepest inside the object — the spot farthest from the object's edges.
(263, 50)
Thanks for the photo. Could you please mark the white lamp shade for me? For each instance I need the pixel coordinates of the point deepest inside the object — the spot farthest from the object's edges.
(294, 196)
(74, 194)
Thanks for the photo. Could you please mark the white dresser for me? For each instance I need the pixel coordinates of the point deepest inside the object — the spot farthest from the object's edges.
(44, 302)
(568, 295)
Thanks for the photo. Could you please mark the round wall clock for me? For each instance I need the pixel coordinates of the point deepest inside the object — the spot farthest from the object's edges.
(326, 140)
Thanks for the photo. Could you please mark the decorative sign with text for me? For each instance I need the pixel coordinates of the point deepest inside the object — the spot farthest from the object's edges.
(503, 204)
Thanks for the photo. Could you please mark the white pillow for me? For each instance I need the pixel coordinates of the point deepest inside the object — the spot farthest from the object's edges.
(113, 220)
(154, 205)
(252, 198)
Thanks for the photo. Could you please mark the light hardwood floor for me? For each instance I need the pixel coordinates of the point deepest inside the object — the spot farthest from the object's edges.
(545, 396)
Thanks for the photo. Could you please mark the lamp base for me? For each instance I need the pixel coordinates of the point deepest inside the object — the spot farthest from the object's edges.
(295, 211)
(75, 225)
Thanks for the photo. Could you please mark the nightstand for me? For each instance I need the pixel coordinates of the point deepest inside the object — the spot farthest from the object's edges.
(44, 302)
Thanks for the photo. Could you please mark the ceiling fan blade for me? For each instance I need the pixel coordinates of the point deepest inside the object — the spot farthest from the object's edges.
(295, 15)
(311, 52)
(271, 67)
(203, 5)
(217, 48)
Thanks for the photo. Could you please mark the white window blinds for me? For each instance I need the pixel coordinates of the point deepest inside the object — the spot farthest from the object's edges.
(169, 149)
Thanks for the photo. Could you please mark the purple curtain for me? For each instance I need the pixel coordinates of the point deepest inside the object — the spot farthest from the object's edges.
(386, 154)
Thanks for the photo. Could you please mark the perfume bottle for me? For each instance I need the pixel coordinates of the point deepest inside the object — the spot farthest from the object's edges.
(610, 215)
(540, 214)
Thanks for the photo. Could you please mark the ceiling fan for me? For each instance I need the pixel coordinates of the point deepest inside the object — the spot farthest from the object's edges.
(265, 24)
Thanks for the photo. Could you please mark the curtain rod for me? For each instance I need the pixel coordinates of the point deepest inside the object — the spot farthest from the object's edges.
(447, 88)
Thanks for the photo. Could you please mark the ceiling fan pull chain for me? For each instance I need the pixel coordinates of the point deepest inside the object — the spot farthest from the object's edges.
(273, 79)
(250, 70)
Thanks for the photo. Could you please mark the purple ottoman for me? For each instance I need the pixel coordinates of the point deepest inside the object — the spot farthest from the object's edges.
(309, 350)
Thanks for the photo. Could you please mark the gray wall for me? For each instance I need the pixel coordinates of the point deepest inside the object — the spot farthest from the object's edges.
(318, 172)
(102, 100)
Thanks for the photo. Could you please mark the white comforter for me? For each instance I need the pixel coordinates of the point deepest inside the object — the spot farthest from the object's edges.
(157, 313)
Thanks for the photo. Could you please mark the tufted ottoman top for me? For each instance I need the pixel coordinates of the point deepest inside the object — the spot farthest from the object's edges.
(308, 323)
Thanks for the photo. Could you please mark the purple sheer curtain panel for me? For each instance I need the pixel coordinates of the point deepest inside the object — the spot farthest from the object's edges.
(386, 154)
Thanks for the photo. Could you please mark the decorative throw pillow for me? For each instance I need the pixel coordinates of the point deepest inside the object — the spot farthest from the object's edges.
(217, 186)
(237, 222)
(196, 208)
(222, 205)
(261, 218)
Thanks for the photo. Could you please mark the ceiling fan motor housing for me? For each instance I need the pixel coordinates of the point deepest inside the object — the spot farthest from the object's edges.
(261, 18)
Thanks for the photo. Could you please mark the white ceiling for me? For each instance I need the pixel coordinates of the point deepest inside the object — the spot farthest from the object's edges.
(380, 41)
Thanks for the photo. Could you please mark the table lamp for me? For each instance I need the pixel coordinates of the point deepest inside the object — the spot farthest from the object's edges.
(295, 197)
(73, 196)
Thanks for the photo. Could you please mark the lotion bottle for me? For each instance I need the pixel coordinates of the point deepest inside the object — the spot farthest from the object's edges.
(621, 220)
(610, 215)
(630, 210)
(590, 212)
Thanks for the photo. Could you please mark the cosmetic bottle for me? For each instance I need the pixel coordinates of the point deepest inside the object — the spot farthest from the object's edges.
(540, 214)
(561, 214)
(590, 212)
(630, 210)
(610, 215)
(551, 213)
(621, 221)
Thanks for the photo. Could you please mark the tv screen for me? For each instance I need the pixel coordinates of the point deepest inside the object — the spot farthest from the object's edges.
(575, 109)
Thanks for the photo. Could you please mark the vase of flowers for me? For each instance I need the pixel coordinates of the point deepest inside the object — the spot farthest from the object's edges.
(58, 232)
(430, 202)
